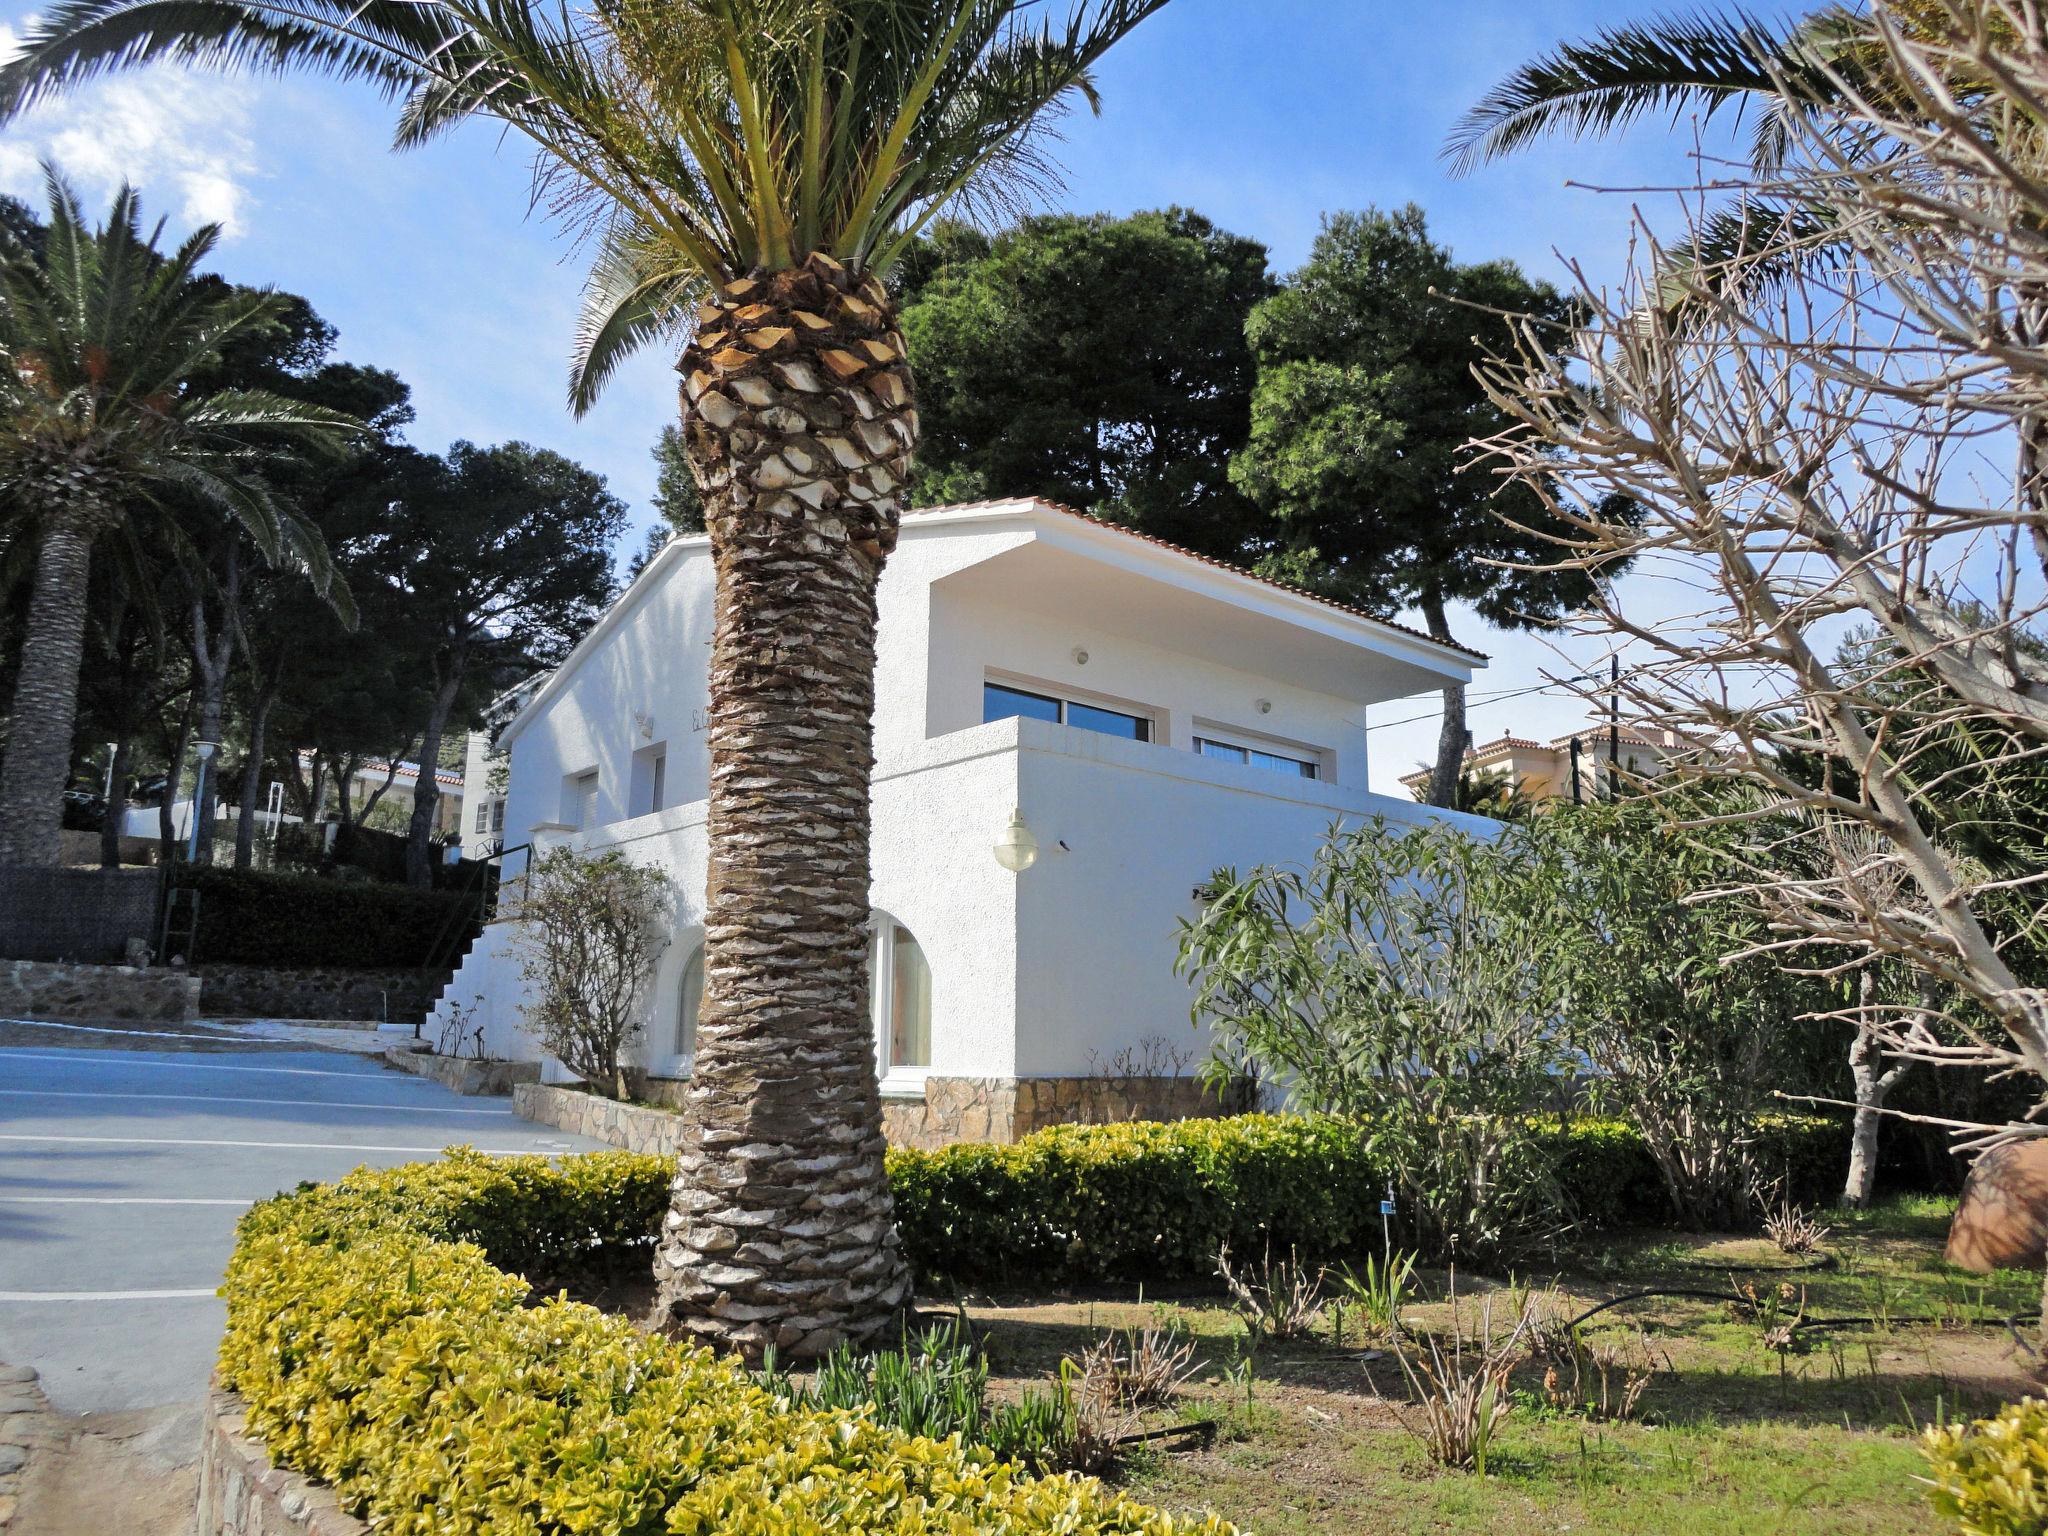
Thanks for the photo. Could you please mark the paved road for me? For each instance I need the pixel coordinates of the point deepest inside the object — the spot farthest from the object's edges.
(125, 1161)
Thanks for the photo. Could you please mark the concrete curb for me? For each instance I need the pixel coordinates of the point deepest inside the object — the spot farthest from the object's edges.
(463, 1074)
(242, 1494)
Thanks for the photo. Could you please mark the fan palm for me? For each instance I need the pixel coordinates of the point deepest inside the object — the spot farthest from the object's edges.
(100, 334)
(747, 170)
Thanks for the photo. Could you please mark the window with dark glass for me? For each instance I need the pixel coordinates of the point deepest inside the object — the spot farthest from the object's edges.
(1257, 757)
(1000, 701)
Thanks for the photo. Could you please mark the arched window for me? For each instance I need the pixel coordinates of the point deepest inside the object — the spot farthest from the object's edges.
(672, 1056)
(900, 986)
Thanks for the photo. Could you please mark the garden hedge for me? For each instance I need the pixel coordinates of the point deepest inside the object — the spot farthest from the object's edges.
(1154, 1200)
(380, 1344)
(259, 917)
(1071, 1204)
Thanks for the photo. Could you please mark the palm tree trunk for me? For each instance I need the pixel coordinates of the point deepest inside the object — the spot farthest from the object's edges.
(799, 424)
(38, 760)
(1453, 738)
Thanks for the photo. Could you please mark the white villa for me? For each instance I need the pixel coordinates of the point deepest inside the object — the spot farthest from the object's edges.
(1150, 714)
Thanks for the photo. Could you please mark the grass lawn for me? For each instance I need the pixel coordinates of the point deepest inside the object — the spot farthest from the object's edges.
(1726, 1437)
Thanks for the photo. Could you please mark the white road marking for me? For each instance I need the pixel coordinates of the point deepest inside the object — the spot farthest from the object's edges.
(282, 1146)
(209, 1098)
(102, 1295)
(139, 1034)
(7, 1199)
(113, 1059)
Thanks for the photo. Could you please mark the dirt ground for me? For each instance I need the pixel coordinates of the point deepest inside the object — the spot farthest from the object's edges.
(111, 1474)
(1726, 1436)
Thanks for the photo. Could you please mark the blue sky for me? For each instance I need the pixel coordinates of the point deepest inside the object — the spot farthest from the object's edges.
(1262, 114)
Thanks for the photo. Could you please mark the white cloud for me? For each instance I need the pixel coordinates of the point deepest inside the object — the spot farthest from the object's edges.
(182, 139)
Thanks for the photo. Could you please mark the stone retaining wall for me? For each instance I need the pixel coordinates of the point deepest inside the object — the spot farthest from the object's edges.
(49, 989)
(242, 1494)
(259, 992)
(464, 1074)
(635, 1127)
(951, 1109)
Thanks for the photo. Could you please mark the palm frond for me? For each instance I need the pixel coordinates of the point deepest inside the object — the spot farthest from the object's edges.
(1606, 83)
(77, 41)
(636, 295)
(1752, 249)
(727, 136)
(105, 335)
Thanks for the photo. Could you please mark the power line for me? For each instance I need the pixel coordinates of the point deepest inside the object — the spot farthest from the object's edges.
(1481, 701)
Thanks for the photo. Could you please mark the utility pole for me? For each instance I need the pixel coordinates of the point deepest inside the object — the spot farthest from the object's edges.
(1613, 725)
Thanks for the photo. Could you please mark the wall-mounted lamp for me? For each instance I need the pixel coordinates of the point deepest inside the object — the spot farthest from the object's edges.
(1080, 656)
(1016, 850)
(1263, 706)
(645, 722)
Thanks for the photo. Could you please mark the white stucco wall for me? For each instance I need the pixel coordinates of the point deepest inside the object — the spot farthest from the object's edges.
(1142, 829)
(1051, 972)
(642, 687)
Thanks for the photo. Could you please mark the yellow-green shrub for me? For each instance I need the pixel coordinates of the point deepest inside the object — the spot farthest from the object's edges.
(377, 1347)
(1991, 1476)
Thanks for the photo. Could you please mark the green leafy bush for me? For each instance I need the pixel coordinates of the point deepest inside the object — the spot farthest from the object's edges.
(1991, 1476)
(1444, 988)
(1071, 1204)
(591, 929)
(1407, 979)
(1152, 1200)
(257, 917)
(378, 1347)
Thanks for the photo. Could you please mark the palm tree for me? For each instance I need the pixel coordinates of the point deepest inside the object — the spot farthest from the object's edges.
(1787, 78)
(748, 170)
(1711, 63)
(100, 334)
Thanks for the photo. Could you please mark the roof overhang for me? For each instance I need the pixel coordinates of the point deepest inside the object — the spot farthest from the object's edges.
(1074, 569)
(1086, 571)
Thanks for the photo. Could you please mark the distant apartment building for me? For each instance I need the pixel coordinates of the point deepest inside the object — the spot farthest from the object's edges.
(1547, 770)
